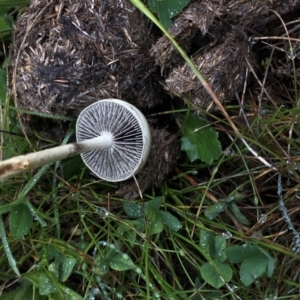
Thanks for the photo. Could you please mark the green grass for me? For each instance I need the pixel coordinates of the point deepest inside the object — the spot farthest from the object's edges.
(223, 231)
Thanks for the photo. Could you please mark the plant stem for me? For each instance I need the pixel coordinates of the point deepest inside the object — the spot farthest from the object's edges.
(22, 163)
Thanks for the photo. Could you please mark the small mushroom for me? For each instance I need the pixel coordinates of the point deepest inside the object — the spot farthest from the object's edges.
(113, 138)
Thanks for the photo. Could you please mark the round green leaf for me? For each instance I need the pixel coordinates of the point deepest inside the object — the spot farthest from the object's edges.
(214, 210)
(121, 262)
(66, 268)
(20, 221)
(238, 253)
(253, 267)
(47, 285)
(216, 275)
(200, 141)
(167, 9)
(170, 221)
(132, 209)
(102, 265)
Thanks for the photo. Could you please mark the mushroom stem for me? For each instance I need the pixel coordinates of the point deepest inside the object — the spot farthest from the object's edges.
(22, 163)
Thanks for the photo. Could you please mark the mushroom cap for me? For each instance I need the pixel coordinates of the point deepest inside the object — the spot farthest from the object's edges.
(131, 138)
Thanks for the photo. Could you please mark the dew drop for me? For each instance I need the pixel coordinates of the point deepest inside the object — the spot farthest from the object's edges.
(125, 256)
(227, 235)
(253, 40)
(262, 219)
(291, 54)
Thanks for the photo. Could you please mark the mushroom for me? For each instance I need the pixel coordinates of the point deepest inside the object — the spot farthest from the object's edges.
(113, 138)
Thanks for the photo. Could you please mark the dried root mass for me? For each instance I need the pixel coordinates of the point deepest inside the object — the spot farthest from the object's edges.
(67, 55)
(213, 33)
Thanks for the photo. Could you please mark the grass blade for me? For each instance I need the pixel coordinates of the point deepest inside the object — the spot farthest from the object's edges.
(7, 250)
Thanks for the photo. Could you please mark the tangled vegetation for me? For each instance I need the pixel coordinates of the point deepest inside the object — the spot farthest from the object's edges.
(216, 212)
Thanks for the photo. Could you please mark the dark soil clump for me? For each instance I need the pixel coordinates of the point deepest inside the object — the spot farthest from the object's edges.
(67, 55)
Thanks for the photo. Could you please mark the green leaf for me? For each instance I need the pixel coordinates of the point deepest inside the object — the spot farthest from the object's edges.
(46, 284)
(207, 243)
(214, 210)
(66, 268)
(121, 262)
(237, 213)
(255, 262)
(127, 232)
(270, 267)
(102, 264)
(68, 294)
(200, 141)
(31, 277)
(154, 220)
(220, 246)
(155, 203)
(4, 27)
(236, 196)
(23, 292)
(167, 9)
(6, 247)
(252, 268)
(72, 167)
(133, 209)
(152, 214)
(238, 253)
(170, 221)
(62, 266)
(4, 276)
(216, 275)
(20, 221)
(54, 268)
(213, 246)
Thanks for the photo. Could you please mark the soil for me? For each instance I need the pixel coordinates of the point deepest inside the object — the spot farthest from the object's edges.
(69, 54)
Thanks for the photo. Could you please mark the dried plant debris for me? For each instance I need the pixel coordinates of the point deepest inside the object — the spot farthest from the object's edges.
(192, 28)
(256, 14)
(212, 32)
(68, 54)
(191, 25)
(162, 159)
(224, 68)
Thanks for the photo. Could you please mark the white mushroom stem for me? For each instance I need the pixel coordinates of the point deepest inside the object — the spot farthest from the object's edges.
(22, 163)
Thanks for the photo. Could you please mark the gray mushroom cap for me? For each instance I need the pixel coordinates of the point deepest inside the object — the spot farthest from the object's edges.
(129, 132)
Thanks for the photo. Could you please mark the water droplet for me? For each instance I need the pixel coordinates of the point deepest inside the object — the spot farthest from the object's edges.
(291, 54)
(125, 256)
(229, 151)
(271, 297)
(227, 235)
(103, 243)
(103, 212)
(111, 246)
(262, 219)
(253, 40)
